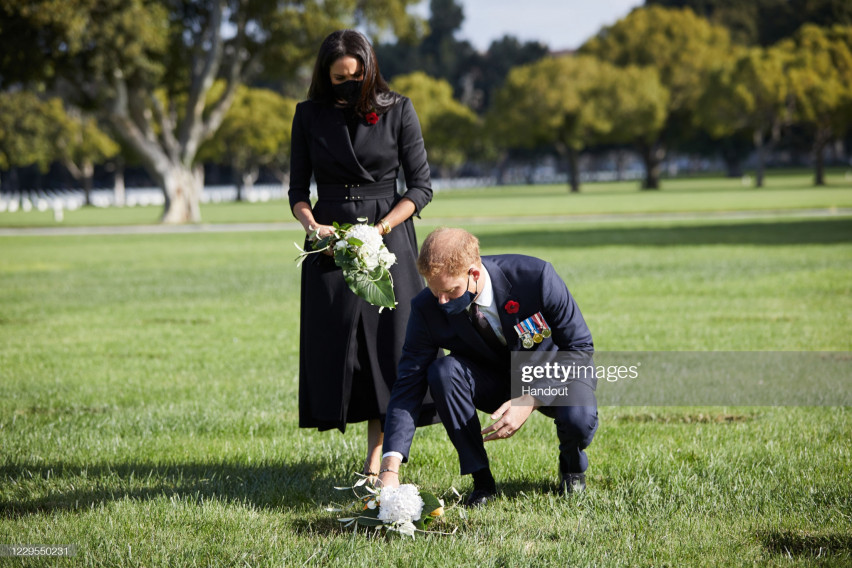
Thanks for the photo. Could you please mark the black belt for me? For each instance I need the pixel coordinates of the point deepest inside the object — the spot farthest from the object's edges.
(357, 191)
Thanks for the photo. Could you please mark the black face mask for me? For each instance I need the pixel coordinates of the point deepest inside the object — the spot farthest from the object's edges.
(349, 91)
(460, 304)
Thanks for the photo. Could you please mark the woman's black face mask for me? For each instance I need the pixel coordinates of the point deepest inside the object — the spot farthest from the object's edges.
(349, 91)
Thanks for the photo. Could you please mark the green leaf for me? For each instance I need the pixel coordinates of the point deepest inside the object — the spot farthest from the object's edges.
(368, 521)
(430, 502)
(378, 292)
(371, 513)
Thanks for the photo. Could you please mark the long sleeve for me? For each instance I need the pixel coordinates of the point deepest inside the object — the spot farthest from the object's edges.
(412, 156)
(418, 352)
(300, 160)
(570, 332)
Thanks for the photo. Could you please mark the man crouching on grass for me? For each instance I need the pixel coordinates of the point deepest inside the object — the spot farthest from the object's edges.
(481, 310)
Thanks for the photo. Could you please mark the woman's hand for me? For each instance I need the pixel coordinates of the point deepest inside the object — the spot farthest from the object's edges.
(324, 230)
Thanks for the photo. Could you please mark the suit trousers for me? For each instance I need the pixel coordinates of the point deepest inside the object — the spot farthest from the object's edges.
(461, 386)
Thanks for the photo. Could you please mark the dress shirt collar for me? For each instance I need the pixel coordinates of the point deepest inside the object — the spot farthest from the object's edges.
(486, 295)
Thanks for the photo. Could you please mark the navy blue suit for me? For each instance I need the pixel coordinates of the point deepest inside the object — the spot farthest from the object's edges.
(475, 376)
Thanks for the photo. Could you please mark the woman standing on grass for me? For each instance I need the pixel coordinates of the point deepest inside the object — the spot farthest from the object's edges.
(353, 134)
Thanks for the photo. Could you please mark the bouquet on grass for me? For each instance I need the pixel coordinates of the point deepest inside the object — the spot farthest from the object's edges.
(404, 509)
(362, 255)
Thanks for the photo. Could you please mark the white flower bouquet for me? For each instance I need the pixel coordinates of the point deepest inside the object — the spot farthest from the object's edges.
(362, 255)
(404, 509)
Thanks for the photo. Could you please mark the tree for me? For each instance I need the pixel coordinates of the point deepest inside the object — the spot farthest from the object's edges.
(765, 22)
(682, 47)
(576, 101)
(255, 133)
(449, 127)
(748, 92)
(821, 82)
(474, 76)
(78, 143)
(491, 70)
(25, 132)
(152, 64)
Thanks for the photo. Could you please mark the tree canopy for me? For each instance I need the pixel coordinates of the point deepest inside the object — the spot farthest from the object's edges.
(682, 47)
(748, 92)
(820, 77)
(255, 133)
(152, 64)
(449, 127)
(765, 22)
(577, 101)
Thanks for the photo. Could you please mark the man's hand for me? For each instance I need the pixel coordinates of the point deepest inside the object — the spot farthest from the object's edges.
(509, 418)
(389, 478)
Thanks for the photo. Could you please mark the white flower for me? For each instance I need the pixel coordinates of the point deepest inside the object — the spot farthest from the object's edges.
(372, 253)
(406, 528)
(386, 257)
(400, 504)
(367, 235)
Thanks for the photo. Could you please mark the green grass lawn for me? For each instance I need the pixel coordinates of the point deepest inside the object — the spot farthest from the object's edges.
(148, 407)
(783, 191)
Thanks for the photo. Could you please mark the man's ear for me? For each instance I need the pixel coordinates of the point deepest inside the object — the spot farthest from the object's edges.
(475, 272)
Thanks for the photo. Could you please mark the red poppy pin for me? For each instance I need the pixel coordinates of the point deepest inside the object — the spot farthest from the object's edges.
(512, 307)
(371, 117)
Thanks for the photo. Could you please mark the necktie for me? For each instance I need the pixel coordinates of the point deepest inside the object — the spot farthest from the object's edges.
(484, 329)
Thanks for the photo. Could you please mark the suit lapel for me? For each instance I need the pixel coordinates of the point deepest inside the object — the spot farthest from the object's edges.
(464, 329)
(334, 135)
(363, 133)
(502, 294)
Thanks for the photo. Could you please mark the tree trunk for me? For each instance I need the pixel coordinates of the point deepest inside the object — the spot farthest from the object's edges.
(652, 156)
(118, 183)
(182, 188)
(88, 172)
(238, 181)
(761, 157)
(249, 177)
(502, 165)
(822, 137)
(574, 170)
(283, 176)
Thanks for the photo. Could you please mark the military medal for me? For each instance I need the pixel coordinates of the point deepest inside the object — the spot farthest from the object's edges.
(533, 330)
(545, 329)
(526, 339)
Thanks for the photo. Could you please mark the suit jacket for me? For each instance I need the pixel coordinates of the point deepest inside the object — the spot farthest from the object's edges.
(532, 283)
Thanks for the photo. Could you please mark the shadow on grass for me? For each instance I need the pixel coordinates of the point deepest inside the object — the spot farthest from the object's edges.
(266, 486)
(806, 232)
(802, 543)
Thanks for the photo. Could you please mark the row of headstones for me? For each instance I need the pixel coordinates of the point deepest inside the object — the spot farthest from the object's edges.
(71, 200)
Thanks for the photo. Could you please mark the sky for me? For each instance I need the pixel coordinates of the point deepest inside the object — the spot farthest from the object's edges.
(560, 24)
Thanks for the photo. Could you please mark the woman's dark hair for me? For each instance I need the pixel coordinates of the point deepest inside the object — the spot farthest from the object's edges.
(375, 93)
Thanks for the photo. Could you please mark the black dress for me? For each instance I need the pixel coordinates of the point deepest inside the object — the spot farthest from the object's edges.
(348, 349)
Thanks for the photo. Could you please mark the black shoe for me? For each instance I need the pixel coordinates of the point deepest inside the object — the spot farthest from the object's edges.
(572, 483)
(479, 497)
